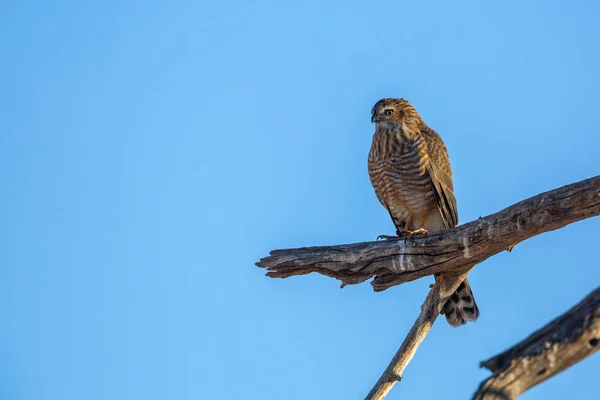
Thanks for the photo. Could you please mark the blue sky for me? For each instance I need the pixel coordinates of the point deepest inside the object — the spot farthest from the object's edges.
(151, 152)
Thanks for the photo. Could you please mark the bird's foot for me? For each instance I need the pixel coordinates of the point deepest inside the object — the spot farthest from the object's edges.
(420, 231)
(404, 234)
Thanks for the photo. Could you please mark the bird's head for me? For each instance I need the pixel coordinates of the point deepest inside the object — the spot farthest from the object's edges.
(394, 112)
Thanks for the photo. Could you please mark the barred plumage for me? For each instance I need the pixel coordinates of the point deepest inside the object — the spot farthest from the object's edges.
(410, 171)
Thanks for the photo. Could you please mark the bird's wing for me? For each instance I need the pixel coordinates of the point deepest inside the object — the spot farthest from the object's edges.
(440, 171)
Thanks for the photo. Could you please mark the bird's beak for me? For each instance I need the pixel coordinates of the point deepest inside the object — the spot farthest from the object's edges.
(375, 118)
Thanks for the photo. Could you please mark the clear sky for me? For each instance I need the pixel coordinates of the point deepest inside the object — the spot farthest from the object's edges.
(151, 152)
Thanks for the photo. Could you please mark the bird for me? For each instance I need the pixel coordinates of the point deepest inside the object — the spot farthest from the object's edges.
(409, 168)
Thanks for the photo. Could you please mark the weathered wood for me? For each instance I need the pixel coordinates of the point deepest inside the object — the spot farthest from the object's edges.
(437, 297)
(453, 252)
(392, 262)
(565, 341)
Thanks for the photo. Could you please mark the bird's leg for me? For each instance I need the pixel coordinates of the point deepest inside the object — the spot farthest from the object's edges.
(404, 234)
(420, 231)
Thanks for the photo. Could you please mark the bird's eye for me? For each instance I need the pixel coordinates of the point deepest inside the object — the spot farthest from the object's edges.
(389, 112)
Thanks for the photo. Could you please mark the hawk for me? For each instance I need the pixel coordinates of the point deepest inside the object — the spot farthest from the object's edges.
(409, 168)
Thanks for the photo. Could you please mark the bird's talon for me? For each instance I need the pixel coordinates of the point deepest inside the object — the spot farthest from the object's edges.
(386, 237)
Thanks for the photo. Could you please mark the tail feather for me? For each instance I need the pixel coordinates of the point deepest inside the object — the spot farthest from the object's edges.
(461, 307)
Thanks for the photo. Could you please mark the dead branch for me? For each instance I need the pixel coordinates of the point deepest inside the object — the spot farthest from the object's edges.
(438, 295)
(392, 262)
(562, 343)
(453, 252)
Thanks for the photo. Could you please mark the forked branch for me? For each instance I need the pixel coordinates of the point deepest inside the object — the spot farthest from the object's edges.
(453, 252)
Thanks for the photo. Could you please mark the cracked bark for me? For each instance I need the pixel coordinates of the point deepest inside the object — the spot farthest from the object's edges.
(451, 253)
(396, 261)
(550, 350)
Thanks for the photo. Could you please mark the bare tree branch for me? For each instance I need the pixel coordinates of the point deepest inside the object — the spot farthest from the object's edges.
(439, 293)
(392, 262)
(562, 343)
(452, 252)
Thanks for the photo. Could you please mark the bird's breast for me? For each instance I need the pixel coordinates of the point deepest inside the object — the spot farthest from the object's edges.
(398, 172)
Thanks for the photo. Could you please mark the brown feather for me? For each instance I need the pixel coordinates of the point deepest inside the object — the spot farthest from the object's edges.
(410, 170)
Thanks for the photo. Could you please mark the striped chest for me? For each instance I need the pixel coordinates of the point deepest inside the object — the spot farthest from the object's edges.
(398, 172)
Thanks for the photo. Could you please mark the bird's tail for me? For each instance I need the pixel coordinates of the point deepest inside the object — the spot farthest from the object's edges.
(461, 307)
